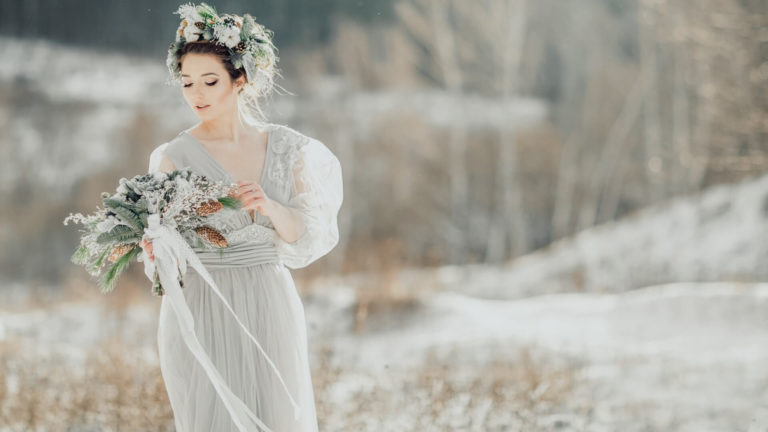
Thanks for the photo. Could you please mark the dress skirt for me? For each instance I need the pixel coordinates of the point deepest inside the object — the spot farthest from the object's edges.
(265, 299)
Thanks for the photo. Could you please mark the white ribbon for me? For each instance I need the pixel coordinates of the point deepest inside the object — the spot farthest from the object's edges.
(171, 253)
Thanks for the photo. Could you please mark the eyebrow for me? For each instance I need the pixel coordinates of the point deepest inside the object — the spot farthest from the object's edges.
(209, 73)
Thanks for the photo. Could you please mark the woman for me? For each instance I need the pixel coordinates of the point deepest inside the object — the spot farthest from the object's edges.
(290, 186)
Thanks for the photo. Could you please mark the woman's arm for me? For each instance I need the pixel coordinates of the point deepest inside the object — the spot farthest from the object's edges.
(288, 226)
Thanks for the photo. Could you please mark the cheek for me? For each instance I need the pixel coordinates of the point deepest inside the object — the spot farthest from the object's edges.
(220, 93)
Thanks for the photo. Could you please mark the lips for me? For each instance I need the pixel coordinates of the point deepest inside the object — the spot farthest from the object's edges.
(201, 107)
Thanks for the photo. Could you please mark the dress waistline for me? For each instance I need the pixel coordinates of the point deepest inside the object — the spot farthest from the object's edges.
(251, 245)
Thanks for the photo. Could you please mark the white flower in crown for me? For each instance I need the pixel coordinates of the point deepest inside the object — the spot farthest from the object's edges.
(189, 13)
(191, 33)
(226, 34)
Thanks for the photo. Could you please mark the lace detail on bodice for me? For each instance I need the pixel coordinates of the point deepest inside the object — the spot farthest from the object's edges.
(252, 233)
(235, 227)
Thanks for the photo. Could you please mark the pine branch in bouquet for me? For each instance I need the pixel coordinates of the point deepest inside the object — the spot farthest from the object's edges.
(184, 201)
(109, 279)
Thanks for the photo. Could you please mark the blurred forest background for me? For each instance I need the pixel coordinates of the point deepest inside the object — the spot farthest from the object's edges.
(485, 130)
(472, 135)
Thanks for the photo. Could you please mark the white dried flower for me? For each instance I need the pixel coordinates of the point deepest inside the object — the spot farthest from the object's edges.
(228, 35)
(189, 13)
(107, 224)
(191, 32)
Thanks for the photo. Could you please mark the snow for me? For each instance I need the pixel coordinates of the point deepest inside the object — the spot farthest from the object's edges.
(716, 235)
(692, 354)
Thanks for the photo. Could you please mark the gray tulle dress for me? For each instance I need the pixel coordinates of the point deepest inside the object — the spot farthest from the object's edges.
(253, 275)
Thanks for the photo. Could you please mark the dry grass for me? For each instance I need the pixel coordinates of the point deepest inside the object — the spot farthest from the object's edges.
(114, 388)
(522, 393)
(390, 288)
(117, 390)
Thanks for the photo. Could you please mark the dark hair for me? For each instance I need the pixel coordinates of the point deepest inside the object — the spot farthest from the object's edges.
(220, 51)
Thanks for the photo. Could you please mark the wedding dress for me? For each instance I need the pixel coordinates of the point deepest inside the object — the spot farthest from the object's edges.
(269, 389)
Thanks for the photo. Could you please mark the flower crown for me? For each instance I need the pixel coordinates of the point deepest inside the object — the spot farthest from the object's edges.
(249, 43)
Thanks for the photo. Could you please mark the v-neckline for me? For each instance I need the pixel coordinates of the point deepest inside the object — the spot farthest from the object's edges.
(221, 167)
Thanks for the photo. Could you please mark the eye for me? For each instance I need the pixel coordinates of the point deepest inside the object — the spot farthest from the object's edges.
(212, 83)
(188, 85)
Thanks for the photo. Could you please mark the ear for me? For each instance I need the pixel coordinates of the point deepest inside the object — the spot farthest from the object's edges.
(240, 83)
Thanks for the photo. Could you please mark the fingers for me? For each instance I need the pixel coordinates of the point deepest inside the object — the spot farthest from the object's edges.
(147, 246)
(250, 193)
(244, 188)
(252, 196)
(246, 185)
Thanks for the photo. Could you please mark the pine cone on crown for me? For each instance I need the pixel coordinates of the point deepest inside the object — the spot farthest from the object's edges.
(241, 47)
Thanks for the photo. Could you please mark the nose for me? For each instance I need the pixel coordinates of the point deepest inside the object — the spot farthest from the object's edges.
(197, 92)
(198, 98)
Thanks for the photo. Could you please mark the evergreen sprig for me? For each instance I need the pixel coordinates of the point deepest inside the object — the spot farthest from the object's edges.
(110, 277)
(115, 232)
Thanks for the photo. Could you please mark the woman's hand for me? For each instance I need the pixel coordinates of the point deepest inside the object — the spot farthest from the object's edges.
(147, 246)
(253, 197)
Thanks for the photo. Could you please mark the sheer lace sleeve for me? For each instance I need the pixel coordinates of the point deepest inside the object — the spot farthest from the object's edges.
(315, 200)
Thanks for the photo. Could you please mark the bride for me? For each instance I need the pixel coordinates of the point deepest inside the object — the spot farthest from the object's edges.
(290, 186)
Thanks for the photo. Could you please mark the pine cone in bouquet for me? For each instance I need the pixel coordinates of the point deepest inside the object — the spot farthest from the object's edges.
(119, 251)
(208, 208)
(211, 236)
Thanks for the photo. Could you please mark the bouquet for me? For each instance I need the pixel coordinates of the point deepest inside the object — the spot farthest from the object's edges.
(182, 199)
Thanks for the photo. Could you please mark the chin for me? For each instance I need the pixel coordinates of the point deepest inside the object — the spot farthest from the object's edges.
(205, 114)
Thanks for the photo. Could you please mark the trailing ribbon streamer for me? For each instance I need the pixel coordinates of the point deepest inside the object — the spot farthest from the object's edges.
(172, 253)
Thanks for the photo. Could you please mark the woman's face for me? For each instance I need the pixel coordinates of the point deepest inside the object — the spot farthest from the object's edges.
(207, 87)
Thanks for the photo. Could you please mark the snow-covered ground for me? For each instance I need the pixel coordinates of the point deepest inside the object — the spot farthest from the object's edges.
(718, 234)
(671, 357)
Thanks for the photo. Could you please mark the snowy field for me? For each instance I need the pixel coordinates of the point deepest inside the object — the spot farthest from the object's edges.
(683, 357)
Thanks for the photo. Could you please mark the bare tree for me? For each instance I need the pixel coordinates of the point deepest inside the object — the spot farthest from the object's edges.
(508, 218)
